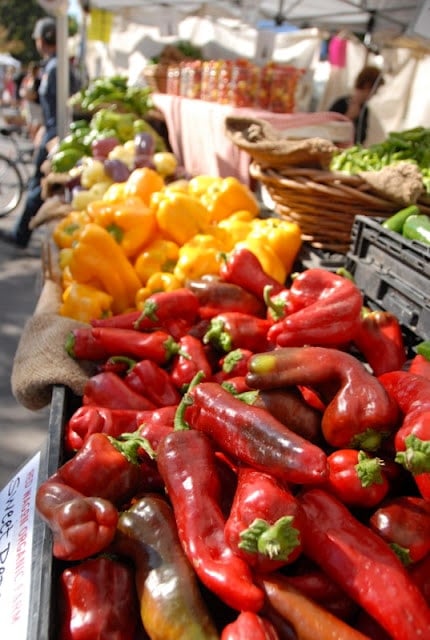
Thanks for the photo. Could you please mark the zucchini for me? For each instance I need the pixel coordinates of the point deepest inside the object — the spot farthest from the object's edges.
(417, 227)
(398, 219)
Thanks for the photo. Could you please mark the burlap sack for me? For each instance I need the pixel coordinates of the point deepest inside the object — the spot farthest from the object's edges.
(41, 361)
(401, 182)
(267, 146)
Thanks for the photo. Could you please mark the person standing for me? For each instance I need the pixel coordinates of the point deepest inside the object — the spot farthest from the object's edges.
(355, 106)
(30, 101)
(45, 36)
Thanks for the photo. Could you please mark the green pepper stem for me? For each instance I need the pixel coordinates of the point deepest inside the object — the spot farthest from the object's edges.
(179, 423)
(129, 444)
(369, 470)
(416, 457)
(276, 541)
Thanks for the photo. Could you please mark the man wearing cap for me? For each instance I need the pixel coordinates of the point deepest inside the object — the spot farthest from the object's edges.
(45, 37)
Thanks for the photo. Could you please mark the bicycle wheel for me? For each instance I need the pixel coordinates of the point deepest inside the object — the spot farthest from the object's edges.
(11, 186)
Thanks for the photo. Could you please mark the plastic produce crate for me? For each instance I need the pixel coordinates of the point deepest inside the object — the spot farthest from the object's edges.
(393, 273)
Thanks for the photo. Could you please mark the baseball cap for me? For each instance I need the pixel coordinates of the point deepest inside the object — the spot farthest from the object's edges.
(45, 28)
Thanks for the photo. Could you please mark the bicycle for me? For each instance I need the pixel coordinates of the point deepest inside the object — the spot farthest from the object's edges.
(12, 188)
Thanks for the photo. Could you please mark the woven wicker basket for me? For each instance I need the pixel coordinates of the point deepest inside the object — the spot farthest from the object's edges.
(324, 203)
(156, 77)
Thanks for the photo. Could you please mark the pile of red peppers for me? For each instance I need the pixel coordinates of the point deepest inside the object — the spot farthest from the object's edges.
(250, 461)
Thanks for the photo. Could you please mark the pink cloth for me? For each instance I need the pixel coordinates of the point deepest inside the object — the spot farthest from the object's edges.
(199, 141)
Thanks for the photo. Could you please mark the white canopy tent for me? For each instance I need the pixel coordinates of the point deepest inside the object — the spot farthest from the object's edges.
(391, 38)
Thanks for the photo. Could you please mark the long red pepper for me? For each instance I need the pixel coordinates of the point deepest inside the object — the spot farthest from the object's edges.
(380, 340)
(187, 464)
(216, 296)
(412, 439)
(404, 523)
(190, 359)
(243, 268)
(101, 343)
(323, 309)
(149, 379)
(235, 330)
(97, 600)
(107, 389)
(359, 411)
(95, 419)
(252, 435)
(364, 566)
(265, 521)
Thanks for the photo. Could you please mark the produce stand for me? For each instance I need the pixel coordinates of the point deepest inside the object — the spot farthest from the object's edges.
(388, 273)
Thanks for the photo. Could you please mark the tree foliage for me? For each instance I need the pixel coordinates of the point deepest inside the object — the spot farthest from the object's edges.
(17, 20)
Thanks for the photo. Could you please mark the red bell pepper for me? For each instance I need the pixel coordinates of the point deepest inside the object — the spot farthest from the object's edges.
(380, 340)
(404, 523)
(234, 330)
(249, 625)
(190, 359)
(171, 604)
(356, 478)
(146, 377)
(265, 521)
(97, 600)
(309, 620)
(243, 268)
(359, 412)
(323, 309)
(101, 343)
(186, 461)
(364, 566)
(251, 435)
(90, 419)
(107, 389)
(81, 526)
(216, 296)
(412, 440)
(105, 467)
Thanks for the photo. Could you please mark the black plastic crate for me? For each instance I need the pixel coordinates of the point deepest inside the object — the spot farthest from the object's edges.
(393, 273)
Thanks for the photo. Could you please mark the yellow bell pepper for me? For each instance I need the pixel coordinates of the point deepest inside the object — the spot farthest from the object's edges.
(159, 255)
(198, 185)
(269, 260)
(282, 236)
(131, 222)
(236, 226)
(228, 196)
(200, 256)
(180, 216)
(85, 303)
(115, 193)
(68, 229)
(158, 281)
(100, 261)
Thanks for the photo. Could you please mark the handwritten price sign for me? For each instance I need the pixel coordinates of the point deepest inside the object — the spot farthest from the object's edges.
(16, 539)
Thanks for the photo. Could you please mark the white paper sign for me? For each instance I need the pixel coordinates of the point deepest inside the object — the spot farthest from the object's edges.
(16, 538)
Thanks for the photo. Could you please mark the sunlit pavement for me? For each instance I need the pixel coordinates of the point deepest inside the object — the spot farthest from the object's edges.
(22, 432)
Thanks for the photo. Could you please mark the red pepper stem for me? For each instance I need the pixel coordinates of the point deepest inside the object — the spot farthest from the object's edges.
(402, 553)
(148, 311)
(416, 457)
(369, 470)
(275, 541)
(179, 423)
(69, 344)
(129, 444)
